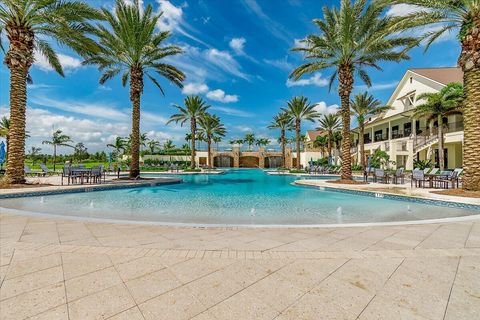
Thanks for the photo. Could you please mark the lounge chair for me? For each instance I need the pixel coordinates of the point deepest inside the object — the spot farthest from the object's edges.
(45, 170)
(399, 175)
(434, 171)
(418, 177)
(29, 172)
(381, 175)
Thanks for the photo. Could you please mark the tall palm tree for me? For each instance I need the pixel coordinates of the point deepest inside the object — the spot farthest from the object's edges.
(33, 154)
(29, 24)
(194, 108)
(58, 140)
(299, 109)
(211, 127)
(353, 37)
(153, 145)
(188, 138)
(217, 140)
(283, 122)
(262, 142)
(118, 146)
(249, 140)
(330, 123)
(362, 107)
(131, 45)
(462, 16)
(322, 143)
(438, 105)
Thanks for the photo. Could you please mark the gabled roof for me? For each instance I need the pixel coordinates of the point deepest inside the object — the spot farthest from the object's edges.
(313, 134)
(441, 75)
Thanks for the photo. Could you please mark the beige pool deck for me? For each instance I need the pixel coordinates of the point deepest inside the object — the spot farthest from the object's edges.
(65, 269)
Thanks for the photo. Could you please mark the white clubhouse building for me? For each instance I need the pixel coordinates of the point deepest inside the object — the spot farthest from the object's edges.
(393, 131)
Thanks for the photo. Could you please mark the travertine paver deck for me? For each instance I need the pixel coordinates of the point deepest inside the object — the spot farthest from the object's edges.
(60, 269)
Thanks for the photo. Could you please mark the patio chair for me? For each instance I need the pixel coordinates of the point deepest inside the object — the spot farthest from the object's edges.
(45, 170)
(426, 170)
(434, 171)
(380, 175)
(399, 175)
(419, 179)
(29, 172)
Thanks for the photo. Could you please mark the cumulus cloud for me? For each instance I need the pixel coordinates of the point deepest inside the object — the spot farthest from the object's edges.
(219, 95)
(315, 80)
(323, 108)
(237, 45)
(67, 62)
(194, 88)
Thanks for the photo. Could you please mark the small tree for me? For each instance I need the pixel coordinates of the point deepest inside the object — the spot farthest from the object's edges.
(58, 139)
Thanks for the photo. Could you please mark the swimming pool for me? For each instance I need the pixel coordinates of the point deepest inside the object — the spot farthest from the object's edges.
(238, 197)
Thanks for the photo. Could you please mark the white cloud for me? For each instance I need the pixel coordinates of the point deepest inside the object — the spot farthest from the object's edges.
(194, 88)
(323, 108)
(172, 20)
(93, 109)
(232, 112)
(378, 86)
(297, 43)
(219, 95)
(243, 128)
(315, 80)
(67, 62)
(224, 61)
(400, 10)
(237, 45)
(280, 63)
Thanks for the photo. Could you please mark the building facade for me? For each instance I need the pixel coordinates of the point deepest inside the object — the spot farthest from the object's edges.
(406, 139)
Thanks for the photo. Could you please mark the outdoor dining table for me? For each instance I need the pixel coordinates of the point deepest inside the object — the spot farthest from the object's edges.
(82, 173)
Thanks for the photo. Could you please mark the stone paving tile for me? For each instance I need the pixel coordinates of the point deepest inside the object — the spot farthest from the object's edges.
(32, 303)
(29, 282)
(102, 304)
(77, 264)
(464, 302)
(90, 283)
(399, 272)
(178, 304)
(151, 285)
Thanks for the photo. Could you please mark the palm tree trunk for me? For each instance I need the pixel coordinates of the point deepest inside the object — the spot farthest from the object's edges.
(345, 75)
(136, 89)
(16, 132)
(209, 151)
(471, 119)
(361, 142)
(441, 155)
(193, 127)
(54, 156)
(19, 59)
(282, 135)
(297, 130)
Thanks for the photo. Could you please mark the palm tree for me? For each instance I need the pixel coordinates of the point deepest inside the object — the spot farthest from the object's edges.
(461, 16)
(283, 122)
(168, 145)
(153, 145)
(262, 142)
(194, 108)
(330, 123)
(322, 143)
(130, 44)
(118, 146)
(299, 109)
(211, 127)
(217, 140)
(363, 106)
(28, 25)
(249, 140)
(353, 37)
(188, 137)
(58, 139)
(33, 154)
(438, 105)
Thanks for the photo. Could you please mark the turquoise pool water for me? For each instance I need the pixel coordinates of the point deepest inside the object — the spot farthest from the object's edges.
(237, 197)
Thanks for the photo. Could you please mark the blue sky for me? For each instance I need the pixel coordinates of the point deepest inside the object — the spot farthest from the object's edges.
(237, 56)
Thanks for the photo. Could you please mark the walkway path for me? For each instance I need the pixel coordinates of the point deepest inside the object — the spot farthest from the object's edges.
(59, 269)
